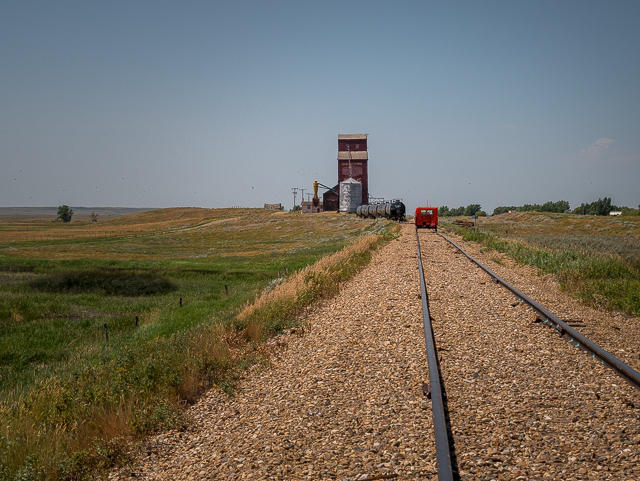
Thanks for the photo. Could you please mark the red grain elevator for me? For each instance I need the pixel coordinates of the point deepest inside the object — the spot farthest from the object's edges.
(352, 149)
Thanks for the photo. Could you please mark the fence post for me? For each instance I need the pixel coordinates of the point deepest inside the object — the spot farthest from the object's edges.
(106, 332)
(226, 290)
(136, 321)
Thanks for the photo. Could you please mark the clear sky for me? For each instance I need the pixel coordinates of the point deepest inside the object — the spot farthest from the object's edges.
(233, 103)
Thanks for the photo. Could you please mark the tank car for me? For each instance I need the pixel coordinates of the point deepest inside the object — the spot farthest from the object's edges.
(394, 210)
(363, 211)
(427, 217)
(371, 211)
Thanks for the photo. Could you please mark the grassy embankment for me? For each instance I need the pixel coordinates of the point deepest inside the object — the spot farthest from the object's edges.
(71, 401)
(596, 259)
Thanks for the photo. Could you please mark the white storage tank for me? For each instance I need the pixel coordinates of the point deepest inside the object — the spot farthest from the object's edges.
(350, 195)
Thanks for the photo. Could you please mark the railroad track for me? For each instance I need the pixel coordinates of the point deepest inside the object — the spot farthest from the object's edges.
(521, 403)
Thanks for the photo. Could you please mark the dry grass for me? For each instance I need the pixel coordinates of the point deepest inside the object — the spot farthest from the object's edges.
(537, 223)
(295, 286)
(177, 233)
(144, 223)
(253, 332)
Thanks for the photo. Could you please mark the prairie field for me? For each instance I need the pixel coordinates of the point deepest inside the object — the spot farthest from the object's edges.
(595, 258)
(110, 328)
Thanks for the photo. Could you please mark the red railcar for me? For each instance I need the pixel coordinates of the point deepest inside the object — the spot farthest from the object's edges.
(427, 217)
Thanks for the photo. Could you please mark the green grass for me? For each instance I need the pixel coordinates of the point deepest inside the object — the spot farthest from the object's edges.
(70, 401)
(602, 270)
(43, 326)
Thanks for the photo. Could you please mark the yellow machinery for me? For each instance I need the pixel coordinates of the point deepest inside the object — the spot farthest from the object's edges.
(316, 200)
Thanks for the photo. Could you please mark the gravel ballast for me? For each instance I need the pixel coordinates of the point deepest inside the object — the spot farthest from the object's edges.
(343, 400)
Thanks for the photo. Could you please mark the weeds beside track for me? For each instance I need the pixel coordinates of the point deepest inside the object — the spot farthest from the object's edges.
(601, 277)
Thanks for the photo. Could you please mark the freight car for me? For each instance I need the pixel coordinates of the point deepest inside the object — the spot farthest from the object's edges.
(393, 210)
(427, 217)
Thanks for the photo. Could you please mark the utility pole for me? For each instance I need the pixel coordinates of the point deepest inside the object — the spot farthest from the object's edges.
(295, 191)
(302, 196)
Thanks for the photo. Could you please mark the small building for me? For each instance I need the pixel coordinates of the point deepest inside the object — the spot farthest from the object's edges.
(309, 208)
(273, 206)
(330, 199)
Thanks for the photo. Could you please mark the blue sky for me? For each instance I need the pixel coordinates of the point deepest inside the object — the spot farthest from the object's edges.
(216, 104)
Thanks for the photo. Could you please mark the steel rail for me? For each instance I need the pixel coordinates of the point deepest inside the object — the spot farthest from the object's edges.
(443, 451)
(562, 328)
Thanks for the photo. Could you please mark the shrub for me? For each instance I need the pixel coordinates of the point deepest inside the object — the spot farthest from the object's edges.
(109, 282)
(64, 213)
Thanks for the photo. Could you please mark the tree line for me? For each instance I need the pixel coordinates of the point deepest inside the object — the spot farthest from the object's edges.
(471, 209)
(558, 207)
(604, 207)
(598, 207)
